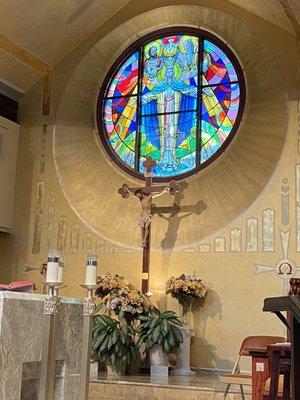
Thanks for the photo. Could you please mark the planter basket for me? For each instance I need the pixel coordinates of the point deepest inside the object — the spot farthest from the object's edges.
(157, 357)
(159, 362)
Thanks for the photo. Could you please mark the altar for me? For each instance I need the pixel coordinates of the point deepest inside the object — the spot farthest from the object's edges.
(21, 339)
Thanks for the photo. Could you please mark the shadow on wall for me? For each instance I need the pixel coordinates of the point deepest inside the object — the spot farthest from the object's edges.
(206, 355)
(171, 215)
(201, 350)
(174, 219)
(162, 302)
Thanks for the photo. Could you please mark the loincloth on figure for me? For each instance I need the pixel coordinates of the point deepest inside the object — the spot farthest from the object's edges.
(145, 219)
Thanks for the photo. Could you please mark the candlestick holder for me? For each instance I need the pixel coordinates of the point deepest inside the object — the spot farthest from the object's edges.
(89, 307)
(51, 309)
(149, 294)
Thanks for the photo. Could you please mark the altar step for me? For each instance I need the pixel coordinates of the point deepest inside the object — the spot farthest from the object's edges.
(142, 387)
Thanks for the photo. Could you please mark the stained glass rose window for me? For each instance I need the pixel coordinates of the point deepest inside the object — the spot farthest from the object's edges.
(177, 96)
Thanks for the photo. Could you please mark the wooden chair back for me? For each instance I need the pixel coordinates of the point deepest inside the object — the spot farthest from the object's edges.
(260, 342)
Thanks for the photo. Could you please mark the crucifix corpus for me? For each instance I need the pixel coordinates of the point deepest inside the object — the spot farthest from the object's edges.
(145, 194)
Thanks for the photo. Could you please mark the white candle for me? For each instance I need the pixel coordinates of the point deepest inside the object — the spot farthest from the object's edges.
(91, 275)
(91, 269)
(52, 266)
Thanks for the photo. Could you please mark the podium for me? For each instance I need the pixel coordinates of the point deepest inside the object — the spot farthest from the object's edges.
(291, 304)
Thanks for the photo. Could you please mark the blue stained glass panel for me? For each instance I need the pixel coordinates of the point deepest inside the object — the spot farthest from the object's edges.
(170, 139)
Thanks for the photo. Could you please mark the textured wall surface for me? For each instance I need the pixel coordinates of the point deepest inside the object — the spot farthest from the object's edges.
(243, 207)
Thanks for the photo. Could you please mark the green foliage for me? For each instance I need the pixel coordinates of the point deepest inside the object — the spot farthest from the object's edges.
(113, 342)
(160, 328)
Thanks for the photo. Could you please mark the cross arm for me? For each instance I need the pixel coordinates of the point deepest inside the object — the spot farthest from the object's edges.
(172, 188)
(125, 191)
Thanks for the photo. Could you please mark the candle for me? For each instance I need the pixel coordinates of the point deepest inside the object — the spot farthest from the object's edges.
(61, 266)
(52, 266)
(91, 269)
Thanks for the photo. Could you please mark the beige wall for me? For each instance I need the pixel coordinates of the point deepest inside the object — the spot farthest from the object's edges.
(66, 190)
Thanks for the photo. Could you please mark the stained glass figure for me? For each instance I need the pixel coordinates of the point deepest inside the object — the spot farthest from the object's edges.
(170, 139)
(177, 99)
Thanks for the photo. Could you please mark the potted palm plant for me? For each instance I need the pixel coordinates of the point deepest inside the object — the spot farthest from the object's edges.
(160, 334)
(113, 343)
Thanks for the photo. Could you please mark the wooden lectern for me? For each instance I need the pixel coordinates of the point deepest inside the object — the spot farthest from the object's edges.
(291, 304)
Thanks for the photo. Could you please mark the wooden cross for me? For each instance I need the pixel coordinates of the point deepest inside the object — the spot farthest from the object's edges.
(145, 194)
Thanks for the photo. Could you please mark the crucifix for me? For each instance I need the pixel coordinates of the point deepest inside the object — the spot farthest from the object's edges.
(145, 194)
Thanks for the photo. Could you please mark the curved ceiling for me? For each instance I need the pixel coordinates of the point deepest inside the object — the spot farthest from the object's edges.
(51, 29)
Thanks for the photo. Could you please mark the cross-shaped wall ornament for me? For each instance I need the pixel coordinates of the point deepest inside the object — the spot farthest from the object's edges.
(285, 268)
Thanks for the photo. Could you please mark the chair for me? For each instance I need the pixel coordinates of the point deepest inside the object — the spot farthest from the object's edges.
(241, 379)
(278, 385)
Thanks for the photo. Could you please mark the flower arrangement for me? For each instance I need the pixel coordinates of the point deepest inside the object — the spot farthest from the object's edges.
(186, 289)
(108, 282)
(121, 297)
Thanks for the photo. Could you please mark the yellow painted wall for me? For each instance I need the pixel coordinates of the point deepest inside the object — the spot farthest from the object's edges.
(67, 186)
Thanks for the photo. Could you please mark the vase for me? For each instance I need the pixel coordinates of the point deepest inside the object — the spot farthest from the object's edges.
(157, 356)
(186, 312)
(111, 371)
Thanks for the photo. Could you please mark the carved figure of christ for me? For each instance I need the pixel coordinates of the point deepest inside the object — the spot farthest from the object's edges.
(145, 194)
(146, 216)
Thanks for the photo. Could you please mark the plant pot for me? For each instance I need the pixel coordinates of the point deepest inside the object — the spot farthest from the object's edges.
(159, 362)
(111, 371)
(157, 356)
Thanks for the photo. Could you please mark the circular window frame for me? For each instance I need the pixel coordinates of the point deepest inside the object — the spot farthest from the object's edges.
(135, 46)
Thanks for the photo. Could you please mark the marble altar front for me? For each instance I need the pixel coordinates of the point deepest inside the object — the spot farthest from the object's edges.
(21, 338)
